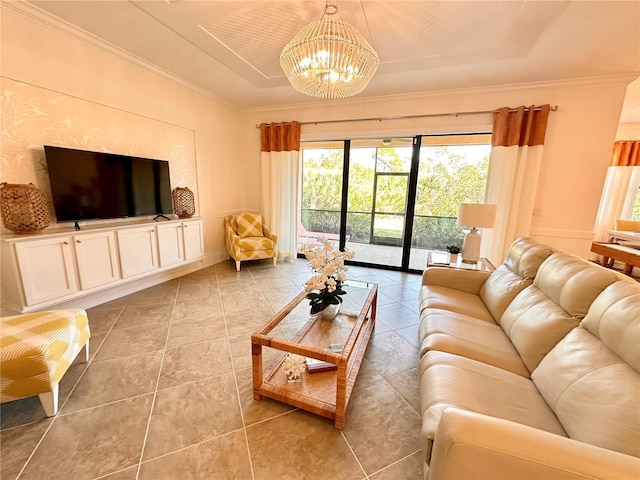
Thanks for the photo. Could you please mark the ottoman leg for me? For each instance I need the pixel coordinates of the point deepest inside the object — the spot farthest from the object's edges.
(86, 351)
(49, 401)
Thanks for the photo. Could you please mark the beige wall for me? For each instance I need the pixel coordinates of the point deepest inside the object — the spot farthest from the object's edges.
(576, 153)
(64, 89)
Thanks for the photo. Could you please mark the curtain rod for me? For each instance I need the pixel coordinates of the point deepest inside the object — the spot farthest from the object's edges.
(426, 115)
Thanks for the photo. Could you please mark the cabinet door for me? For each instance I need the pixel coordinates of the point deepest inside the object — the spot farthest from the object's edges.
(170, 244)
(137, 249)
(193, 240)
(47, 269)
(97, 259)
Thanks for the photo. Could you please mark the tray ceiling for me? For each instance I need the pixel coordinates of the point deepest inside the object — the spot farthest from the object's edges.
(232, 48)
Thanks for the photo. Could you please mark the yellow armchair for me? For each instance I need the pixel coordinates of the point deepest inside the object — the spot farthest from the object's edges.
(248, 238)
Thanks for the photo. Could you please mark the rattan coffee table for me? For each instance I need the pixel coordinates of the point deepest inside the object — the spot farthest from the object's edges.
(294, 330)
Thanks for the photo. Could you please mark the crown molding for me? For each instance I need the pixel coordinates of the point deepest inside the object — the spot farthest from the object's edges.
(583, 82)
(46, 19)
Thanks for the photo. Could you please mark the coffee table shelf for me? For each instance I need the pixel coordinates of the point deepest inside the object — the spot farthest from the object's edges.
(323, 393)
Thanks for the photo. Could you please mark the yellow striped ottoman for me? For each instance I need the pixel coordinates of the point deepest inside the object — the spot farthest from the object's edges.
(36, 349)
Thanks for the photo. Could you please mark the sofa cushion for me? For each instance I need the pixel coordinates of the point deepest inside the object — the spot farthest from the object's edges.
(586, 376)
(516, 273)
(546, 311)
(450, 380)
(249, 225)
(450, 299)
(466, 336)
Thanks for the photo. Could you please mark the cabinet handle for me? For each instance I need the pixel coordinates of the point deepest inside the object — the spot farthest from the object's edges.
(78, 241)
(66, 243)
(185, 226)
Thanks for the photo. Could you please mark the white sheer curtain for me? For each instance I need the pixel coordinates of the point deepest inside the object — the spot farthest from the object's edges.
(279, 159)
(620, 187)
(512, 179)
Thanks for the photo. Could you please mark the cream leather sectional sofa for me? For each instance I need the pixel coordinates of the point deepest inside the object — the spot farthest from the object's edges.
(531, 371)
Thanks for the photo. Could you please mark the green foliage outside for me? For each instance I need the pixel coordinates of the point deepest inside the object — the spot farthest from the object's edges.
(445, 180)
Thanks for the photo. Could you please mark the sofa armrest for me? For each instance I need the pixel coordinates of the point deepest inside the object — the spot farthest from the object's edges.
(470, 281)
(470, 445)
(232, 241)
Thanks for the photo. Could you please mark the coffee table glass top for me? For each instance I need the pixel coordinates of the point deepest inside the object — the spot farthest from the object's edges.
(294, 326)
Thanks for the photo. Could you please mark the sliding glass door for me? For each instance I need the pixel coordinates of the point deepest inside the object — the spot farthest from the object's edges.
(391, 200)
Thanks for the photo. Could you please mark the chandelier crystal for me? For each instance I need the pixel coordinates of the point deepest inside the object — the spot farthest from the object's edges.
(329, 58)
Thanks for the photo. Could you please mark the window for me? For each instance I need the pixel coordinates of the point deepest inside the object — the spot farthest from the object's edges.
(402, 194)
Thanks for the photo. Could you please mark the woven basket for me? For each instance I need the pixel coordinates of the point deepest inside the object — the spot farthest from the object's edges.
(23, 208)
(183, 202)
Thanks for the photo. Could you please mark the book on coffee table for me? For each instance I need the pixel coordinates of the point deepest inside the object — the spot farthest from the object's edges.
(314, 365)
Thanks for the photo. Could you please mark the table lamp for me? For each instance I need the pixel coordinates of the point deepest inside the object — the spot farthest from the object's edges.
(475, 215)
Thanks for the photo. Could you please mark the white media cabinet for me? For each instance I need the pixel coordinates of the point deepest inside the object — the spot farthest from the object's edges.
(47, 269)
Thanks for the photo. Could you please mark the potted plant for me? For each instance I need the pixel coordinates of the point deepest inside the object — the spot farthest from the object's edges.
(453, 250)
(325, 286)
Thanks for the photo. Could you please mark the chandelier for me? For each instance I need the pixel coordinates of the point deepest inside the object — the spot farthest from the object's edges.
(329, 58)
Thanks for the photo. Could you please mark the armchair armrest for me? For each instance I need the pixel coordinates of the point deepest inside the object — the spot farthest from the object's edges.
(470, 281)
(232, 240)
(470, 445)
(268, 234)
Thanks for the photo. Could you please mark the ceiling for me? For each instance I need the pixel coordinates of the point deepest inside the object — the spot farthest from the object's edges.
(232, 48)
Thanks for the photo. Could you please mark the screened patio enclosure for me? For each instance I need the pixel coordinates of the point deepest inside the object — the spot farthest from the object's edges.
(399, 198)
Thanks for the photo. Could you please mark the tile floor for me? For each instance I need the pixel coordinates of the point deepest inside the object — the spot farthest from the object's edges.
(167, 393)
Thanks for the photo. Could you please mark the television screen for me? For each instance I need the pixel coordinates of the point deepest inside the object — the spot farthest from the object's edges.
(94, 185)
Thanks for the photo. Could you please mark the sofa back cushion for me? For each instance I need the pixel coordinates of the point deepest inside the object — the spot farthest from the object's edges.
(559, 298)
(591, 378)
(516, 273)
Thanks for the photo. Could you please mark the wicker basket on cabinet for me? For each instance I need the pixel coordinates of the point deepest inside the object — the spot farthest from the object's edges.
(23, 207)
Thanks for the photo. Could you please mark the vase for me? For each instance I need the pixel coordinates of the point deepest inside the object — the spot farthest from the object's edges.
(329, 311)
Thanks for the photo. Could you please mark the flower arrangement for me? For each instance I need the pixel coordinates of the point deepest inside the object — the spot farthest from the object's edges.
(330, 272)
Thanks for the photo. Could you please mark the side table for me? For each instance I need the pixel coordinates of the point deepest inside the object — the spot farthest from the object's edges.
(437, 258)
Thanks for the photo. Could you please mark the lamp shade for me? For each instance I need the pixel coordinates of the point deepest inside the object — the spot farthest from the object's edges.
(477, 215)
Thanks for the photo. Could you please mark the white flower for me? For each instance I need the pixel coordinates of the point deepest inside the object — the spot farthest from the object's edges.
(327, 264)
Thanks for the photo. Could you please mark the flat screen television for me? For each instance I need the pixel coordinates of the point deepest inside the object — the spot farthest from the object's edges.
(94, 185)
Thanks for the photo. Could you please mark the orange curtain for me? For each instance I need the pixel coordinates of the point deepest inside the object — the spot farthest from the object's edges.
(280, 137)
(626, 153)
(524, 126)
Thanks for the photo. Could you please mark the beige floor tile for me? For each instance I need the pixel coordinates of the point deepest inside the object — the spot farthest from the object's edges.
(143, 315)
(410, 334)
(375, 409)
(224, 457)
(407, 384)
(16, 446)
(102, 319)
(195, 361)
(247, 321)
(196, 331)
(367, 375)
(197, 291)
(192, 413)
(388, 346)
(113, 380)
(95, 442)
(126, 474)
(396, 316)
(300, 445)
(256, 410)
(409, 468)
(132, 341)
(191, 310)
(197, 428)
